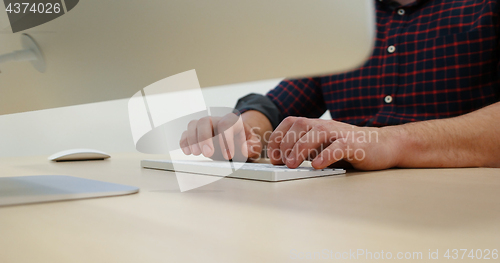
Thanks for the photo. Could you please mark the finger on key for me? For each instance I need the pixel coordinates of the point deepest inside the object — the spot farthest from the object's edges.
(225, 128)
(205, 134)
(295, 133)
(273, 146)
(307, 146)
(193, 138)
(184, 144)
(241, 137)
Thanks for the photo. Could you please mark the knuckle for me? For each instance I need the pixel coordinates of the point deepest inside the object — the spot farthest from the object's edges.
(229, 116)
(223, 122)
(342, 144)
(301, 121)
(275, 138)
(289, 119)
(321, 127)
(224, 125)
(192, 123)
(184, 136)
(205, 120)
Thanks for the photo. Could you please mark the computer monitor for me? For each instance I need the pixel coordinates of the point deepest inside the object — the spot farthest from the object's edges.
(105, 50)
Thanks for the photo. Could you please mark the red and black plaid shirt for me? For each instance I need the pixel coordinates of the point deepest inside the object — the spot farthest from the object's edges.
(444, 63)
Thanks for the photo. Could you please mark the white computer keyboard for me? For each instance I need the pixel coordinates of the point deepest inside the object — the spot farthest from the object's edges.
(253, 171)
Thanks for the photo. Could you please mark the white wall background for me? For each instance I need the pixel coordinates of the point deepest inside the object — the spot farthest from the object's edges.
(103, 126)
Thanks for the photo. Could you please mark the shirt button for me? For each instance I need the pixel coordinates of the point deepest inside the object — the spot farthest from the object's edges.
(388, 99)
(391, 49)
(401, 12)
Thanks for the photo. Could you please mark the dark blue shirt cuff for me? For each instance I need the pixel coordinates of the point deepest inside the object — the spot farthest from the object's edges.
(262, 104)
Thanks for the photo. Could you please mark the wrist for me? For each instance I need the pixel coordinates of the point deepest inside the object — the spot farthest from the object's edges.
(397, 140)
(259, 124)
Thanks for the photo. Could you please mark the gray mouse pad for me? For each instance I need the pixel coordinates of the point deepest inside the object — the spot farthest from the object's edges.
(47, 188)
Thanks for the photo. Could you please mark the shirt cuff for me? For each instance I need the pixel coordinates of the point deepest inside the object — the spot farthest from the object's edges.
(261, 104)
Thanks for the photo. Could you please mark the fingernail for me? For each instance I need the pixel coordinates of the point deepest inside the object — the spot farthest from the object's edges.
(318, 161)
(207, 151)
(196, 149)
(186, 150)
(291, 161)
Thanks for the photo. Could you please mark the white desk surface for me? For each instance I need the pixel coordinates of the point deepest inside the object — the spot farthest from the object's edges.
(234, 220)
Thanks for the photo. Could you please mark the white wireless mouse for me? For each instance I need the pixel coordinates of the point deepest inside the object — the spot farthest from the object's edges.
(78, 155)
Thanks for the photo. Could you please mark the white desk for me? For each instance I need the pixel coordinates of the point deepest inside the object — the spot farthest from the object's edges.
(236, 220)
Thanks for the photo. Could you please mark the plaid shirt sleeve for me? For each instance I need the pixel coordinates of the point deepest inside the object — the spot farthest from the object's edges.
(299, 97)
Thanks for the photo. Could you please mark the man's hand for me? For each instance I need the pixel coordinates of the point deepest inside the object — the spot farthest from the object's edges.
(228, 137)
(326, 142)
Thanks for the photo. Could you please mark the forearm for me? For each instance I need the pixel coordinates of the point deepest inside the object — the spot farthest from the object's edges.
(471, 140)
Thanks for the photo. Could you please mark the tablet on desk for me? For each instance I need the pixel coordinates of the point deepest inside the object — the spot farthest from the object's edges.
(47, 188)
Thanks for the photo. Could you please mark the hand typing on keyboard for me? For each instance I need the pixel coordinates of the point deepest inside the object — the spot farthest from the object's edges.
(327, 142)
(239, 138)
(295, 140)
